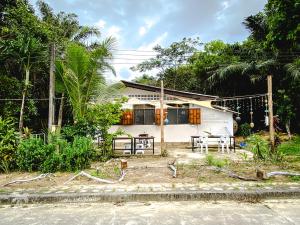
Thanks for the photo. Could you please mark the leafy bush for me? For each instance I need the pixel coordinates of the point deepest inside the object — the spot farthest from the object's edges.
(81, 128)
(8, 143)
(52, 163)
(98, 121)
(244, 130)
(212, 161)
(32, 153)
(259, 147)
(103, 116)
(77, 155)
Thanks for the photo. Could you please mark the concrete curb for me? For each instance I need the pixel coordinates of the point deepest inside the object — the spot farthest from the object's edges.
(246, 196)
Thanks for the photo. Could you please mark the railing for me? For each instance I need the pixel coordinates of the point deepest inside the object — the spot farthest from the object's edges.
(40, 136)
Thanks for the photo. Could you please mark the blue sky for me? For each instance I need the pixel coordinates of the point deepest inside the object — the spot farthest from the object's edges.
(142, 24)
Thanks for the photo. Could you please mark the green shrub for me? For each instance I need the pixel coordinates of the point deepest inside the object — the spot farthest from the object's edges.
(78, 155)
(212, 161)
(52, 163)
(8, 144)
(82, 128)
(244, 130)
(32, 153)
(259, 147)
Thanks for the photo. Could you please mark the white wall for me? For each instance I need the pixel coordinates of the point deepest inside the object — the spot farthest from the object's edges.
(213, 121)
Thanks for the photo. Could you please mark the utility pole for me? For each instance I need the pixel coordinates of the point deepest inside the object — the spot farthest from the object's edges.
(51, 89)
(162, 132)
(271, 120)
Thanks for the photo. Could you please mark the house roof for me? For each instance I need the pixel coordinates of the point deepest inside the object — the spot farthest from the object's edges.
(196, 96)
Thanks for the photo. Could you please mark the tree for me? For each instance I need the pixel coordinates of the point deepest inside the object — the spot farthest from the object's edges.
(27, 50)
(82, 74)
(283, 21)
(170, 58)
(146, 79)
(23, 49)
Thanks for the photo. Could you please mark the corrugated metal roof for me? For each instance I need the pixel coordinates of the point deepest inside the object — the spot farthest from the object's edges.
(191, 95)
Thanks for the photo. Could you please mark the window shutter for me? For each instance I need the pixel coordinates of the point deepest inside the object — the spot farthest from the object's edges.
(127, 117)
(195, 116)
(157, 116)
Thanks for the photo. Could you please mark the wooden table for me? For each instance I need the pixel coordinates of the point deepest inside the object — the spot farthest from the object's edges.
(133, 142)
(214, 137)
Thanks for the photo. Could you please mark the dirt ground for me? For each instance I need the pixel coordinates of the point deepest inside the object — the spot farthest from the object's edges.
(191, 168)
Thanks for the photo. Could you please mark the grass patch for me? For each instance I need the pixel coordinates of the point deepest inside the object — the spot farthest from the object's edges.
(101, 174)
(212, 161)
(294, 178)
(291, 147)
(2, 191)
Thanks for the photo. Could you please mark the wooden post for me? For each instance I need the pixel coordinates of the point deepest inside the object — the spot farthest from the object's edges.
(162, 133)
(51, 90)
(271, 120)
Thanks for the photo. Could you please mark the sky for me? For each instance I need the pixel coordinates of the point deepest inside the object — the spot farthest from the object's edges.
(139, 25)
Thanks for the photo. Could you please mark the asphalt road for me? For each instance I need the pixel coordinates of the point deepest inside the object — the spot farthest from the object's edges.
(183, 213)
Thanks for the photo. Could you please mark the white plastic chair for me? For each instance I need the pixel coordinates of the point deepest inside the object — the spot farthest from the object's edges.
(140, 147)
(224, 141)
(127, 150)
(203, 142)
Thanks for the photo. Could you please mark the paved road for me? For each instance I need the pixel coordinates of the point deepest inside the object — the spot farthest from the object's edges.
(183, 213)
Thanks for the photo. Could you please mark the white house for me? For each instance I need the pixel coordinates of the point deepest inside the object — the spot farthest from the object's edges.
(186, 114)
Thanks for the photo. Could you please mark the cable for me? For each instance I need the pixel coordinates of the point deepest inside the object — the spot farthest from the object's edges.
(239, 97)
(27, 99)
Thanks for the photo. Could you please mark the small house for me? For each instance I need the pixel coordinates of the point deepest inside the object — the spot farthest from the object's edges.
(185, 114)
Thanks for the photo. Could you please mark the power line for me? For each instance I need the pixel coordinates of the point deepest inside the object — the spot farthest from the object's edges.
(27, 99)
(222, 99)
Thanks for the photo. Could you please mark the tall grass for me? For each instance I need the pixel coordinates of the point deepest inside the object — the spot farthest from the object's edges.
(291, 147)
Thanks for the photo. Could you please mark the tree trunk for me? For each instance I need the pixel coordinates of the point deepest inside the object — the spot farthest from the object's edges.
(21, 121)
(60, 113)
(288, 130)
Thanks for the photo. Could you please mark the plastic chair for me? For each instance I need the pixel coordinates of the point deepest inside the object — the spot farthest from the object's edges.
(140, 148)
(203, 142)
(224, 141)
(127, 150)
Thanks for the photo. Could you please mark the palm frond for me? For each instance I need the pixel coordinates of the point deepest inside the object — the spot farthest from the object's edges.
(86, 32)
(82, 76)
(293, 69)
(45, 10)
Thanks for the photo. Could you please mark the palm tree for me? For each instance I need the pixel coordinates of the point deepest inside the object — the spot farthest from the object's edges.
(66, 29)
(26, 50)
(81, 72)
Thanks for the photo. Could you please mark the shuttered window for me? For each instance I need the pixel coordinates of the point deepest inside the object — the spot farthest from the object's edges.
(195, 116)
(127, 118)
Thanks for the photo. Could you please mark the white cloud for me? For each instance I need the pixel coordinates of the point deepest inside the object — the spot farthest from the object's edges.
(225, 5)
(114, 31)
(147, 26)
(142, 31)
(159, 40)
(100, 24)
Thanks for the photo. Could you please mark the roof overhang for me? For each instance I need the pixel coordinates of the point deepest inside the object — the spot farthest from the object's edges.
(167, 91)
